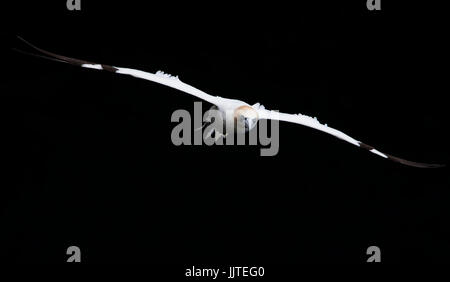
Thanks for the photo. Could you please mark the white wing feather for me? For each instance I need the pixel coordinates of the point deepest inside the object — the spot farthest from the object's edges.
(171, 81)
(158, 77)
(306, 121)
(314, 123)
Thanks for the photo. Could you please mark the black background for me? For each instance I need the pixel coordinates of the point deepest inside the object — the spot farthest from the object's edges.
(89, 159)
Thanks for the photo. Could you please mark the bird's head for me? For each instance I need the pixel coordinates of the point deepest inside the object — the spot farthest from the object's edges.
(246, 118)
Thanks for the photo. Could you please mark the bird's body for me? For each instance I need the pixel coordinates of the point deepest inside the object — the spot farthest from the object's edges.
(235, 114)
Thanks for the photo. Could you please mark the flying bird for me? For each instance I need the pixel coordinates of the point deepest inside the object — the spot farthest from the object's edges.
(236, 114)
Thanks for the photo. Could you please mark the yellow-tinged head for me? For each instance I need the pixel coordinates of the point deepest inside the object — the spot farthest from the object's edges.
(245, 118)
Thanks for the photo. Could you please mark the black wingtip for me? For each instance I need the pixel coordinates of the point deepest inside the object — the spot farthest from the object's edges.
(403, 161)
(26, 42)
(37, 55)
(59, 58)
(414, 164)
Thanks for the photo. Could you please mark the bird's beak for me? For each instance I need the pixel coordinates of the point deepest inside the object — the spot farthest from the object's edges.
(247, 127)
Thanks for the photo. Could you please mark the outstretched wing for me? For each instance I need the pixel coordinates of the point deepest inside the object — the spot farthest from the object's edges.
(314, 123)
(158, 77)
